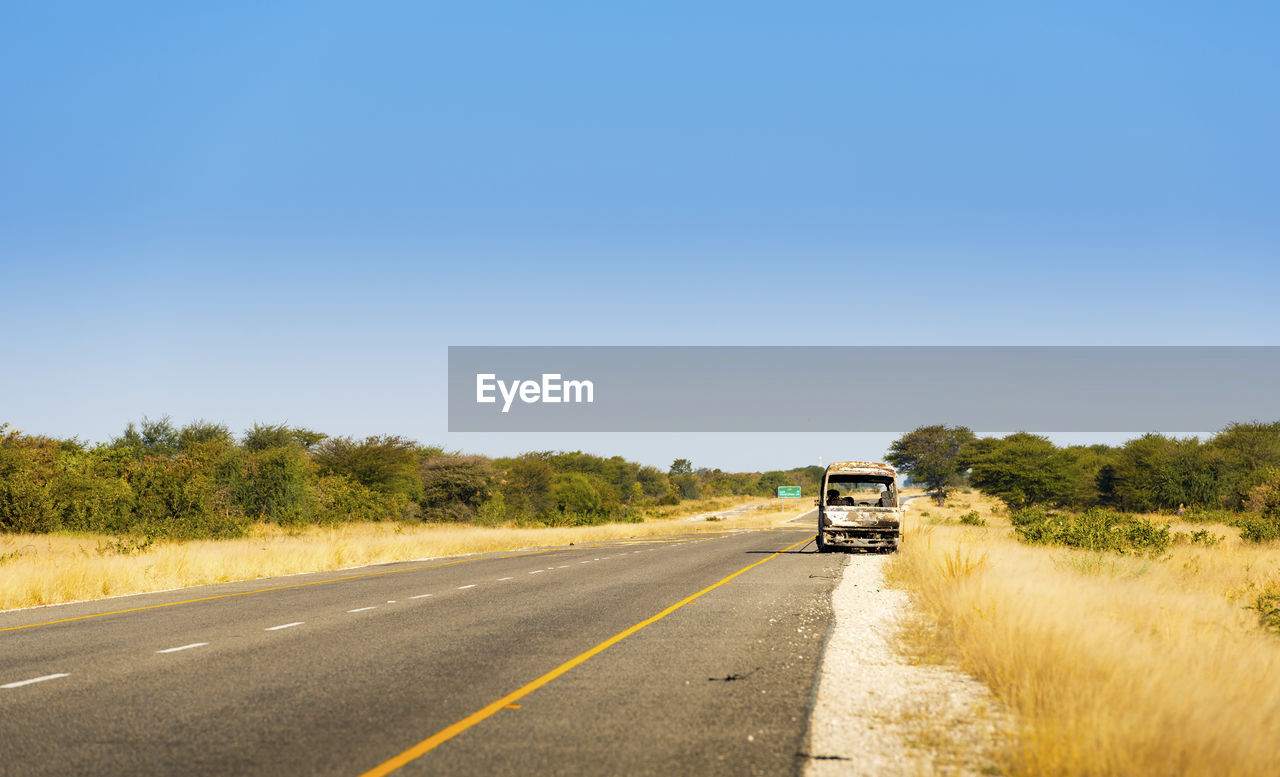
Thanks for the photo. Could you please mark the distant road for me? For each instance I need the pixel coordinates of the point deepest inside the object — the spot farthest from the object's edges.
(535, 662)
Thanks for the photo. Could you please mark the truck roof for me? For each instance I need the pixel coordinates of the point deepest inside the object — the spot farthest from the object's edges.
(861, 468)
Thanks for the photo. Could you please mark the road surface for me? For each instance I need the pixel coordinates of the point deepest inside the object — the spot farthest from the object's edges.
(547, 661)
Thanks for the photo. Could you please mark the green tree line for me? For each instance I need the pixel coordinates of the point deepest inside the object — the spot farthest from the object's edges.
(1234, 475)
(160, 480)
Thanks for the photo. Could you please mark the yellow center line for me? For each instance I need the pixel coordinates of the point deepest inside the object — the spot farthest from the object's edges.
(262, 591)
(444, 735)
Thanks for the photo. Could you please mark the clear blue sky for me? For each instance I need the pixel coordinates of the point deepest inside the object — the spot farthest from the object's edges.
(244, 213)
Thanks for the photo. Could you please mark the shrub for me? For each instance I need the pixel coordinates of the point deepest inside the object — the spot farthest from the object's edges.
(972, 518)
(576, 496)
(1094, 529)
(90, 494)
(203, 433)
(175, 499)
(338, 498)
(1267, 607)
(493, 512)
(1257, 527)
(454, 487)
(275, 486)
(385, 463)
(267, 436)
(1198, 537)
(150, 438)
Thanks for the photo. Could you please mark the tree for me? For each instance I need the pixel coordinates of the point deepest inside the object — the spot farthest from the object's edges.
(652, 482)
(1021, 469)
(769, 481)
(683, 479)
(1239, 451)
(1155, 472)
(931, 455)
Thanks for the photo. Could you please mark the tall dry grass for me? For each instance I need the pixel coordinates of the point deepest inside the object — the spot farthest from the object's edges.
(37, 569)
(1111, 665)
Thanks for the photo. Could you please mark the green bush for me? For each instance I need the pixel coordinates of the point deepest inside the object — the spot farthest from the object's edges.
(385, 463)
(264, 437)
(1198, 537)
(455, 487)
(176, 499)
(1267, 607)
(972, 518)
(493, 512)
(150, 438)
(1257, 527)
(276, 486)
(90, 494)
(576, 496)
(202, 434)
(1095, 529)
(339, 499)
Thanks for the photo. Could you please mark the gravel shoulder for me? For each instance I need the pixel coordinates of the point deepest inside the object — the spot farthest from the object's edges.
(876, 712)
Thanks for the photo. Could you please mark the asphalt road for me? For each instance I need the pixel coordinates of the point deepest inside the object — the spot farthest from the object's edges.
(495, 664)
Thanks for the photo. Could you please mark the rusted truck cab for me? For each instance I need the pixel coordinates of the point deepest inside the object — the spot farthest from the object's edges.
(858, 507)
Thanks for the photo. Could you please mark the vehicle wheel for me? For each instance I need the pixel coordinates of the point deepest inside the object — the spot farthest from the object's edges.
(823, 547)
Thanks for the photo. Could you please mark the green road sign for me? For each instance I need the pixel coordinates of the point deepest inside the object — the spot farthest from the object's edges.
(785, 492)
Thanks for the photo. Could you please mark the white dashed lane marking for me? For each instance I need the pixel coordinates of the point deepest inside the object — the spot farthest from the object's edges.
(34, 680)
(183, 647)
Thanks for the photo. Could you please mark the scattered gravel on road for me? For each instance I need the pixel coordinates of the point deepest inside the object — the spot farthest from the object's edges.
(876, 713)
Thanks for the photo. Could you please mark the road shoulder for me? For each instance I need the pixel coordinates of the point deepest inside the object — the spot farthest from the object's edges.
(876, 712)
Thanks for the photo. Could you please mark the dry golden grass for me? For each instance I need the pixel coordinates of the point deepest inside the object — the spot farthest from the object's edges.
(38, 569)
(1112, 665)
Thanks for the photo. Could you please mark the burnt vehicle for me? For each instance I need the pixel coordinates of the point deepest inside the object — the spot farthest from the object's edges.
(858, 507)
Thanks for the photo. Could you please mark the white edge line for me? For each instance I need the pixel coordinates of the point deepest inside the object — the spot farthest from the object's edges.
(505, 578)
(536, 571)
(283, 626)
(21, 683)
(183, 647)
(465, 587)
(420, 596)
(358, 609)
